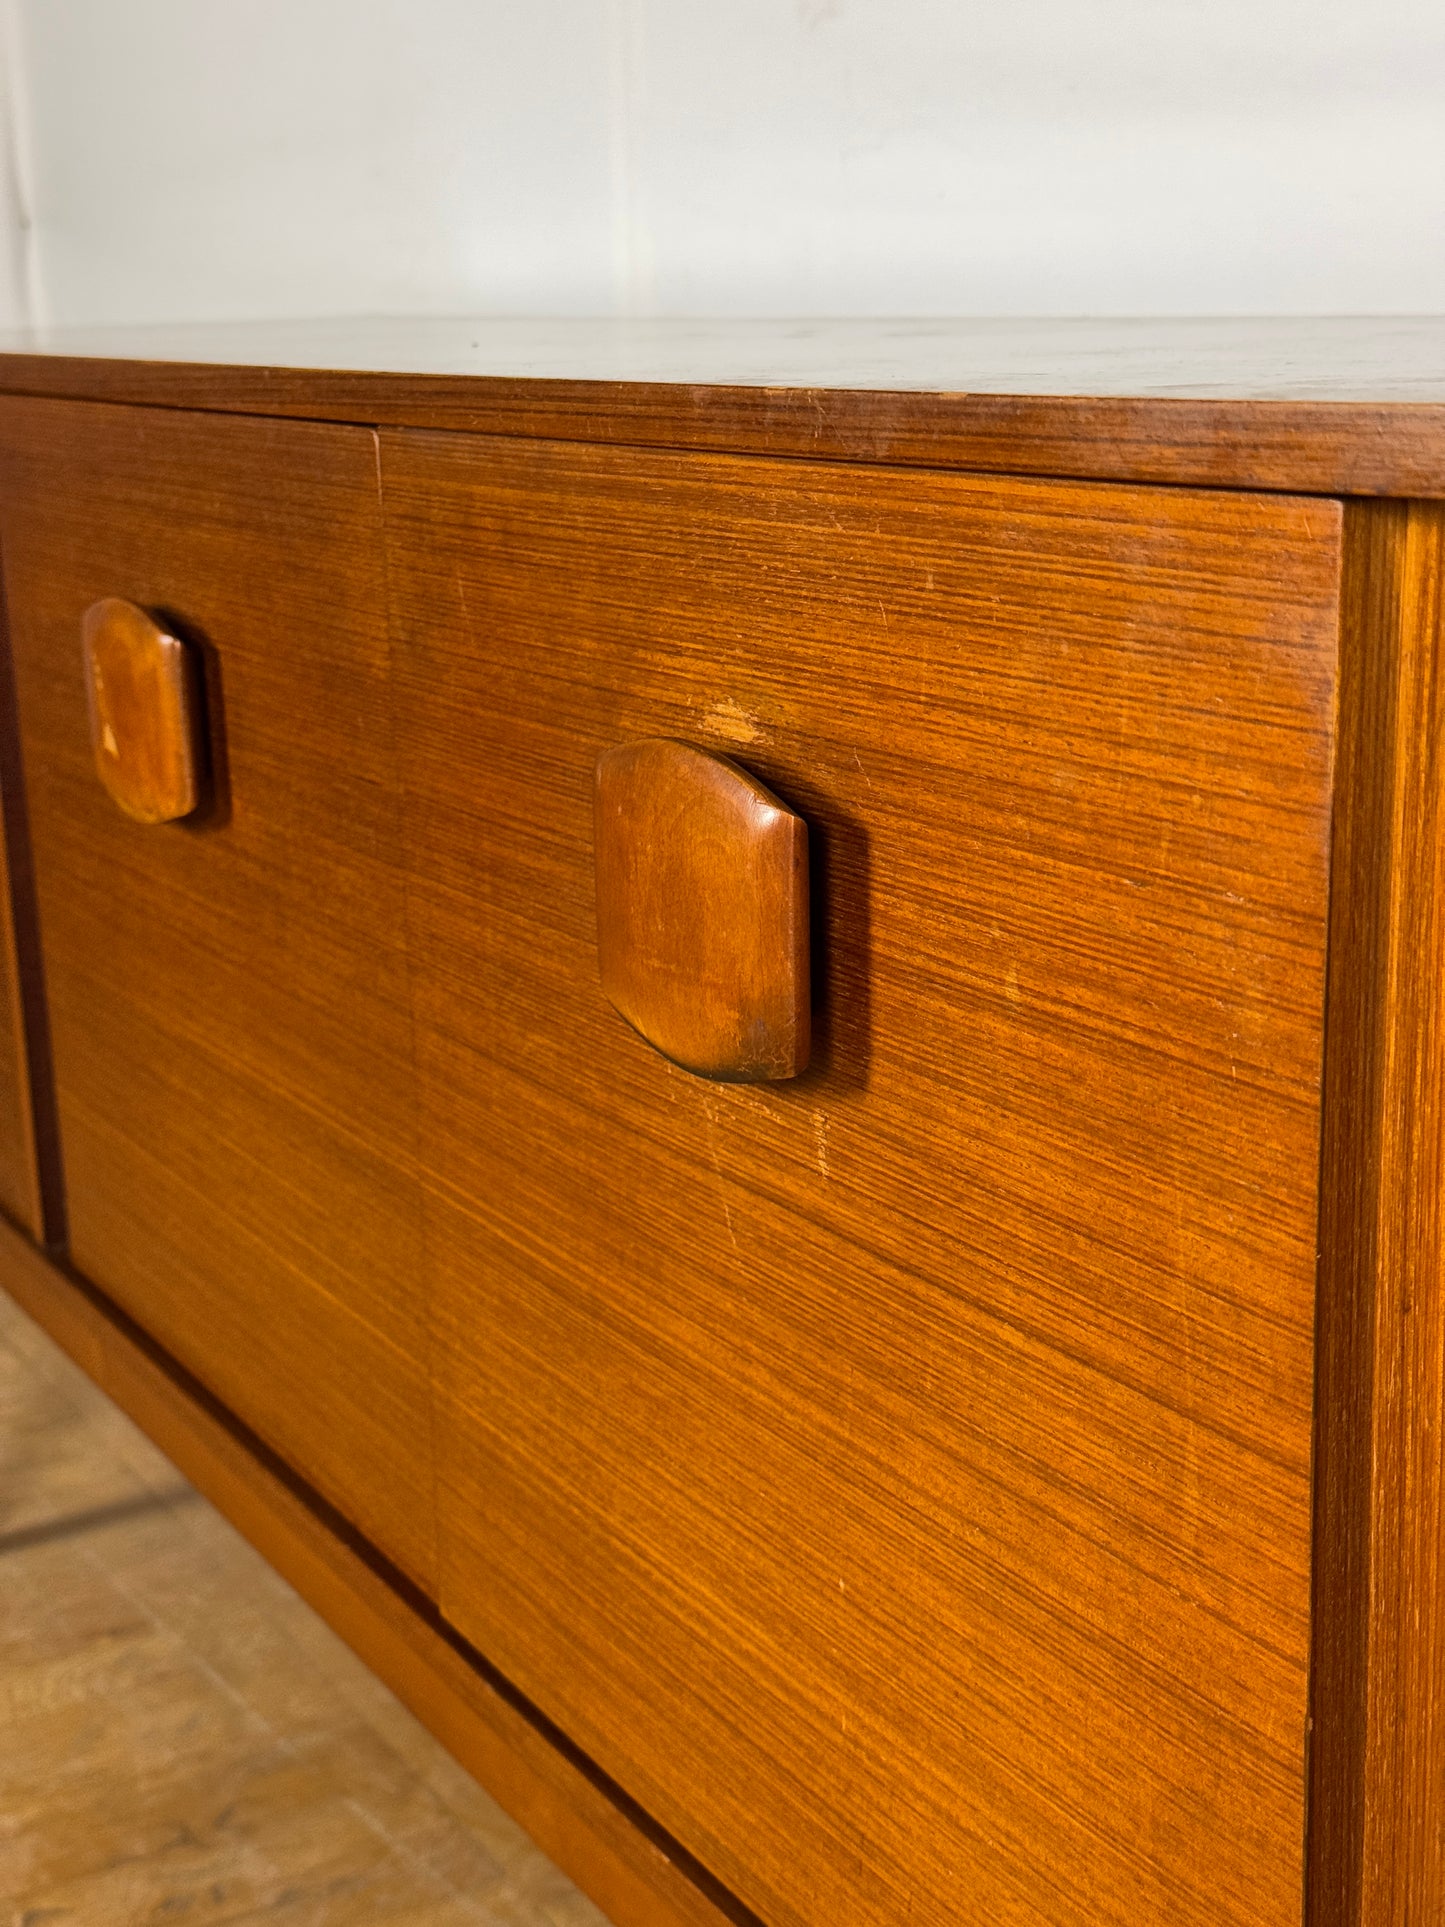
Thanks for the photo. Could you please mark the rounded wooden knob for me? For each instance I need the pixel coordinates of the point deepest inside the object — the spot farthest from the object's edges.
(144, 690)
(702, 910)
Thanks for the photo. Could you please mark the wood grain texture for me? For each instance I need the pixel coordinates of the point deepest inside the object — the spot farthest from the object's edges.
(1378, 1772)
(228, 996)
(587, 1827)
(898, 1479)
(702, 910)
(1333, 405)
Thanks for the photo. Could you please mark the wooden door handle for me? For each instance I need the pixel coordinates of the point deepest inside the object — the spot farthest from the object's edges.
(702, 911)
(144, 691)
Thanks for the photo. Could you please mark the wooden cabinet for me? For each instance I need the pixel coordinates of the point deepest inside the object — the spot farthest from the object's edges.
(228, 994)
(995, 1474)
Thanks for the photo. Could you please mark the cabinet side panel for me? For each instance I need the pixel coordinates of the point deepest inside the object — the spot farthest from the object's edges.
(19, 1189)
(1377, 1849)
(27, 1135)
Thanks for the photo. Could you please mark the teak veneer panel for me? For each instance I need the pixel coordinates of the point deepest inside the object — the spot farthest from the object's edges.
(228, 996)
(899, 1479)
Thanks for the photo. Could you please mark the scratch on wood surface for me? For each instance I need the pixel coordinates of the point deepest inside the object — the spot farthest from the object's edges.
(727, 718)
(462, 594)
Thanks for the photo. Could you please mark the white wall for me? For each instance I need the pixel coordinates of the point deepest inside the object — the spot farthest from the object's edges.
(228, 158)
(19, 278)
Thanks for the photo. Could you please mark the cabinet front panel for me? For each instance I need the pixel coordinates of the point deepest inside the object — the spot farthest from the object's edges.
(228, 992)
(896, 1477)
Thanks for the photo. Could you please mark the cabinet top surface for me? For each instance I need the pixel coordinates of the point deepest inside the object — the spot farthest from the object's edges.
(1337, 404)
(1336, 358)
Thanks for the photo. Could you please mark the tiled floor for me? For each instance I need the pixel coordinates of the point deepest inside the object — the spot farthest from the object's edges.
(181, 1739)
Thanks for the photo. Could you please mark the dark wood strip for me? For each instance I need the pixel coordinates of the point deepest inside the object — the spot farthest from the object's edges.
(1377, 1842)
(29, 1016)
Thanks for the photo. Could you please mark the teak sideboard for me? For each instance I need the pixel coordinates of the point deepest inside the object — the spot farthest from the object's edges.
(738, 1030)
